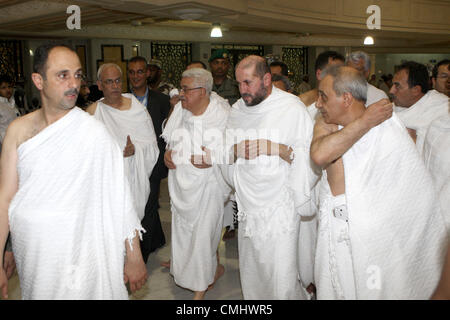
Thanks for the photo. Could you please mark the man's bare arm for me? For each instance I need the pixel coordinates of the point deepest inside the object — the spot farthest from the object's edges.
(135, 271)
(8, 188)
(328, 144)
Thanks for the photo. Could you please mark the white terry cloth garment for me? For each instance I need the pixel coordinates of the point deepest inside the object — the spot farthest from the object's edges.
(197, 195)
(333, 268)
(374, 94)
(72, 212)
(137, 123)
(436, 154)
(397, 233)
(420, 115)
(271, 194)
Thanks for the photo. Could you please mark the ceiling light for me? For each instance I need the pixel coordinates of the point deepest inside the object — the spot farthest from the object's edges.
(368, 41)
(216, 32)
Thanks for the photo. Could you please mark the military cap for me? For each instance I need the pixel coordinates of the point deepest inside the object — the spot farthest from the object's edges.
(220, 54)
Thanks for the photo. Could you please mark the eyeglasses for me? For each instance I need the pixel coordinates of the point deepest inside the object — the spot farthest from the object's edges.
(109, 82)
(185, 90)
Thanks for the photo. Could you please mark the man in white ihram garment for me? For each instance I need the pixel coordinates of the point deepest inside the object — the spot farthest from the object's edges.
(381, 233)
(410, 90)
(70, 213)
(197, 191)
(360, 61)
(268, 133)
(436, 154)
(129, 122)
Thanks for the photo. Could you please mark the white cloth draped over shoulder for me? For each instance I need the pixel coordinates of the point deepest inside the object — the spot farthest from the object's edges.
(396, 230)
(374, 94)
(436, 154)
(420, 115)
(271, 194)
(197, 195)
(136, 123)
(72, 212)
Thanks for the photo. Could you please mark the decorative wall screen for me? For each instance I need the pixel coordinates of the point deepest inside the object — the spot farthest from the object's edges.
(237, 53)
(11, 61)
(174, 58)
(297, 61)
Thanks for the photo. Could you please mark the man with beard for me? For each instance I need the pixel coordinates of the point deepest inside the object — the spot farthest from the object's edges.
(64, 195)
(83, 97)
(268, 135)
(219, 63)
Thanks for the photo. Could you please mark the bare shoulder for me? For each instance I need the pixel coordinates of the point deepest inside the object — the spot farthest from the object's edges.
(25, 127)
(91, 108)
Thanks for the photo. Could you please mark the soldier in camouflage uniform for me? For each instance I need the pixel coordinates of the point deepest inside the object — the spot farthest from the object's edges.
(154, 80)
(225, 87)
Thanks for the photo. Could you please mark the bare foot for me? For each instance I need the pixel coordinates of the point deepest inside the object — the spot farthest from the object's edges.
(229, 234)
(165, 264)
(220, 270)
(199, 295)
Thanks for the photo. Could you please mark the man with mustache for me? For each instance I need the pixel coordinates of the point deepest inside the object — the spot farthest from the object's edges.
(410, 90)
(129, 122)
(64, 195)
(268, 134)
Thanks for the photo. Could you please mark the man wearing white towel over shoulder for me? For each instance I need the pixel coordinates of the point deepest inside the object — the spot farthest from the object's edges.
(381, 233)
(410, 90)
(129, 122)
(268, 133)
(198, 192)
(64, 195)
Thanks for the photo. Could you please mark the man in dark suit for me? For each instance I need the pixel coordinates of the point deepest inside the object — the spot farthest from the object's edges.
(158, 106)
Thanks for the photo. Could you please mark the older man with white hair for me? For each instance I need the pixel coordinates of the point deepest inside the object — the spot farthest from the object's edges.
(129, 122)
(197, 190)
(381, 234)
(360, 61)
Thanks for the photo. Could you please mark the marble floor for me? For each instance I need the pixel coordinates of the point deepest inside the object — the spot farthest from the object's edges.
(161, 285)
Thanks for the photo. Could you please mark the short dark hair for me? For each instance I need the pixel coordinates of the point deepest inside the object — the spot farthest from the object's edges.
(322, 59)
(284, 79)
(4, 78)
(284, 67)
(417, 75)
(199, 62)
(41, 56)
(436, 67)
(138, 59)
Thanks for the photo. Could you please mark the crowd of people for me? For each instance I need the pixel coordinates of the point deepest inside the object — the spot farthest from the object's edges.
(341, 191)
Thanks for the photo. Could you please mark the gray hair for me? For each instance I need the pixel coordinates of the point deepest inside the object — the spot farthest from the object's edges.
(284, 79)
(347, 79)
(202, 78)
(106, 66)
(355, 56)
